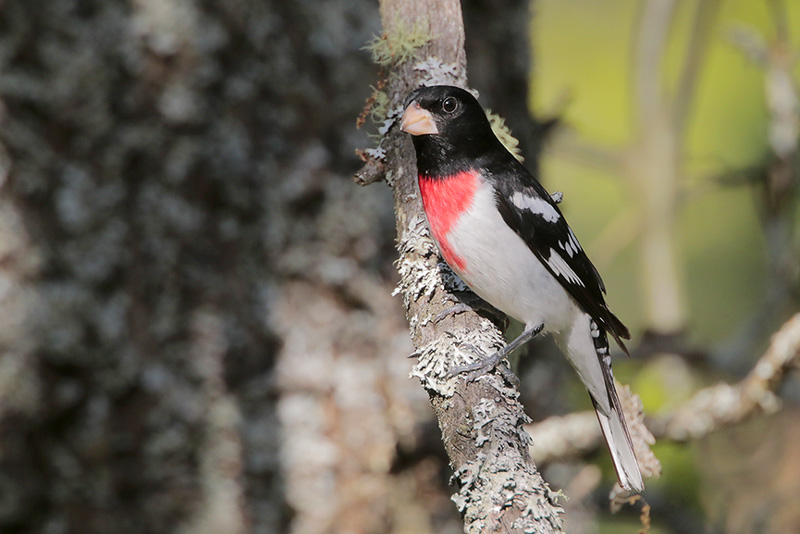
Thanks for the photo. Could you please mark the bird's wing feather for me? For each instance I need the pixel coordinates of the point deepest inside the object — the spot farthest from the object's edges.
(528, 210)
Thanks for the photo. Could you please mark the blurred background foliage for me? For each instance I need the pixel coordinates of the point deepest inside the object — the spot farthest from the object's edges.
(583, 74)
(730, 67)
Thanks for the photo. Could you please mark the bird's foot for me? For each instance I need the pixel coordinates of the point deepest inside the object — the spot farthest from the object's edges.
(487, 364)
(455, 309)
(471, 302)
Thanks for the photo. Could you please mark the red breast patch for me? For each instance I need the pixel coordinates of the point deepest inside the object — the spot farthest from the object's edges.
(445, 199)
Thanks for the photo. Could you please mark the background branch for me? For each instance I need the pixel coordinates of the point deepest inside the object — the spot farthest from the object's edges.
(655, 164)
(709, 410)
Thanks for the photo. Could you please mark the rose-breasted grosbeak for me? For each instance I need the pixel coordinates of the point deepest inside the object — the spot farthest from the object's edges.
(502, 233)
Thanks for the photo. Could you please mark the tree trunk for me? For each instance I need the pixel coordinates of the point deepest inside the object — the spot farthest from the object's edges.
(481, 421)
(197, 331)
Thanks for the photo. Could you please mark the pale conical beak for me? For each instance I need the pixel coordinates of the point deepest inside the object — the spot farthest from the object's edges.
(418, 121)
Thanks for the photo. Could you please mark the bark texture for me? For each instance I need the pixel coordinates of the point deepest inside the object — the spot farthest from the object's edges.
(197, 331)
(133, 216)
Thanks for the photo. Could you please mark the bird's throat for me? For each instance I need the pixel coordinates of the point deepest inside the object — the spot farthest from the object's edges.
(445, 199)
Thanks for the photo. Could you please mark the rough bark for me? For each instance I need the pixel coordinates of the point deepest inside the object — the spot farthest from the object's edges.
(481, 421)
(176, 223)
(133, 330)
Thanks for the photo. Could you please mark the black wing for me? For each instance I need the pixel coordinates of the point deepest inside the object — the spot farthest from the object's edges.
(528, 209)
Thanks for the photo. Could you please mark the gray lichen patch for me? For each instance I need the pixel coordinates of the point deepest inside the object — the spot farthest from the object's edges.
(437, 72)
(437, 358)
(416, 279)
(491, 484)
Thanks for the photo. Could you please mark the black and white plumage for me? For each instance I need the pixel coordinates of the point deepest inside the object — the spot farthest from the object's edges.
(506, 238)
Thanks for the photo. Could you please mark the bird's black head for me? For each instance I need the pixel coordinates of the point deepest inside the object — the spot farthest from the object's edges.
(450, 130)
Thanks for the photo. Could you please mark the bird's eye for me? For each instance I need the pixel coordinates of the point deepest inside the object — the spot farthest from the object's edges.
(449, 105)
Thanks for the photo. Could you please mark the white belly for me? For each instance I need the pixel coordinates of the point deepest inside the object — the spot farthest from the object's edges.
(503, 271)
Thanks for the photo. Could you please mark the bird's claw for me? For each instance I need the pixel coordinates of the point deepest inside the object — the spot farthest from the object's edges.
(455, 309)
(475, 304)
(484, 366)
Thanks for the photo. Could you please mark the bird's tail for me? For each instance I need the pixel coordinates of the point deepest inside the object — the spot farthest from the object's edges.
(618, 441)
(612, 421)
(587, 349)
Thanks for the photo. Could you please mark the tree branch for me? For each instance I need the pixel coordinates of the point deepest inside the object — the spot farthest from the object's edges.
(709, 410)
(500, 489)
(654, 168)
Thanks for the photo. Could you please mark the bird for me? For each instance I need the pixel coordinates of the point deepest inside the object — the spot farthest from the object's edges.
(501, 232)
